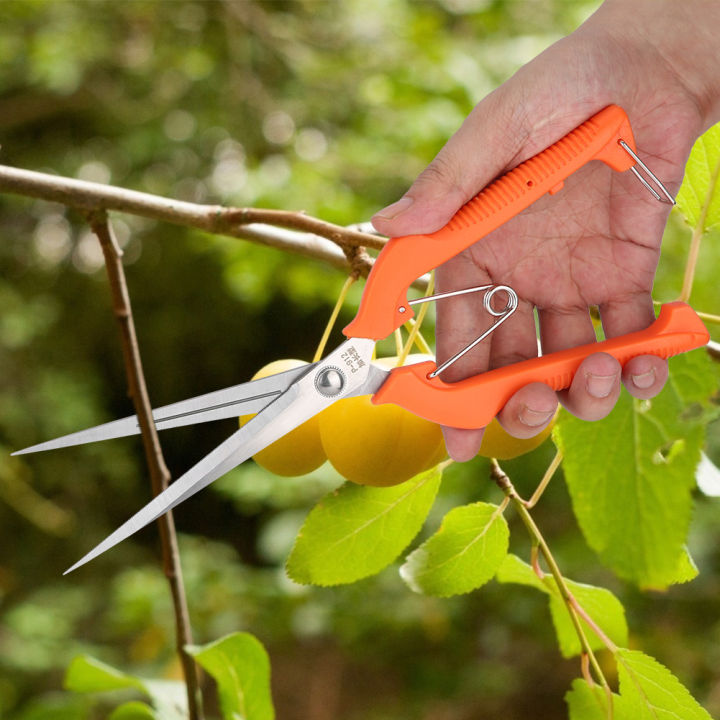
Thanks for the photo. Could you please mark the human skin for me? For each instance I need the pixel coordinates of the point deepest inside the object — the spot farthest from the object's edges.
(597, 242)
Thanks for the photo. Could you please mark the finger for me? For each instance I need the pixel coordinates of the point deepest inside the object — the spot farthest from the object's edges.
(462, 445)
(515, 339)
(645, 375)
(529, 410)
(595, 388)
(512, 341)
(481, 149)
(562, 328)
(458, 319)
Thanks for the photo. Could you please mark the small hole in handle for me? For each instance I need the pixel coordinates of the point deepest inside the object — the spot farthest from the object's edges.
(530, 183)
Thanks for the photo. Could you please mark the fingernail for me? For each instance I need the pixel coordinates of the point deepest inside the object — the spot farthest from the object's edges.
(644, 380)
(534, 418)
(392, 211)
(600, 386)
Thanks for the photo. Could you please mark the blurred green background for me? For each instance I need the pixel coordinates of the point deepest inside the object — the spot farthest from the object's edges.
(328, 107)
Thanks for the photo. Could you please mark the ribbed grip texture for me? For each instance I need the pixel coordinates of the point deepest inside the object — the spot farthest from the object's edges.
(383, 307)
(474, 402)
(545, 169)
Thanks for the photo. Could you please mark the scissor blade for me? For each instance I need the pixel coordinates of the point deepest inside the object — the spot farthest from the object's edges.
(296, 405)
(244, 399)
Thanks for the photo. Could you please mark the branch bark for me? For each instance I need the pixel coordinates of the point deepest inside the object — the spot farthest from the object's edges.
(296, 232)
(88, 196)
(159, 474)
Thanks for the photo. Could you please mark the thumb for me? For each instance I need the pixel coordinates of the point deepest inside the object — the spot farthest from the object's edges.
(482, 148)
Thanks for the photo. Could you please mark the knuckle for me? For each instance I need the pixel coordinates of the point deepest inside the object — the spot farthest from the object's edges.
(442, 171)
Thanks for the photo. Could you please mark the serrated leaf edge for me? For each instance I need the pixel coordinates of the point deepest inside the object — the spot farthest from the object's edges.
(405, 571)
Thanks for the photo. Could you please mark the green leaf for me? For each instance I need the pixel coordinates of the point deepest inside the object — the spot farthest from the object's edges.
(356, 531)
(700, 186)
(133, 710)
(514, 570)
(652, 691)
(462, 555)
(241, 668)
(599, 603)
(631, 475)
(590, 703)
(686, 569)
(168, 697)
(89, 675)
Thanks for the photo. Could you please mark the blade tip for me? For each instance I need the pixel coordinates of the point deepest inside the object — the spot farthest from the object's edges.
(78, 564)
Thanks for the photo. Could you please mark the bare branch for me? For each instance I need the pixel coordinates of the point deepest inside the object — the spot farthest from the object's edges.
(159, 474)
(88, 196)
(341, 247)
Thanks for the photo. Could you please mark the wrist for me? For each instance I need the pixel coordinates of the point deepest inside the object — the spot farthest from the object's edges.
(683, 36)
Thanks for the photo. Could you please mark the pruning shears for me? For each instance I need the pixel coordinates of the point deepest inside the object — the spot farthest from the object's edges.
(284, 401)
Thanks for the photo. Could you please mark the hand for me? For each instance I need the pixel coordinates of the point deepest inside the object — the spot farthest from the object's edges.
(597, 242)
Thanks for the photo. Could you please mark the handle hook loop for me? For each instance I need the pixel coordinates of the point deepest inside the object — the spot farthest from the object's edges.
(502, 315)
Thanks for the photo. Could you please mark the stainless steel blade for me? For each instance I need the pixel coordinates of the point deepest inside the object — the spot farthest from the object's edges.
(303, 399)
(243, 399)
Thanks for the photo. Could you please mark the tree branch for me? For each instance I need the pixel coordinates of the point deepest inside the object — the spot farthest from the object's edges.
(505, 484)
(219, 219)
(296, 232)
(159, 474)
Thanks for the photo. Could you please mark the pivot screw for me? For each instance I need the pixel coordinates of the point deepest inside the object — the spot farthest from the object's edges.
(329, 382)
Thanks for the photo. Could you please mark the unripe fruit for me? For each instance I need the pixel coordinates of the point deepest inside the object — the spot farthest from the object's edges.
(299, 451)
(379, 445)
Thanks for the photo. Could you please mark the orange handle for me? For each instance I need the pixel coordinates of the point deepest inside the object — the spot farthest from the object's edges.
(474, 402)
(384, 303)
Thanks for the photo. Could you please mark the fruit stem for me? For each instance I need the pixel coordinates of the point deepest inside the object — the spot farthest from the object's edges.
(697, 236)
(709, 317)
(420, 342)
(535, 559)
(554, 465)
(702, 315)
(571, 603)
(333, 317)
(399, 346)
(416, 327)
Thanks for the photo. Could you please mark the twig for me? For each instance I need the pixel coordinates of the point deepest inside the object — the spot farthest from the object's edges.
(504, 483)
(293, 232)
(415, 329)
(333, 317)
(549, 473)
(697, 236)
(580, 610)
(702, 315)
(420, 342)
(709, 317)
(90, 196)
(159, 474)
(20, 495)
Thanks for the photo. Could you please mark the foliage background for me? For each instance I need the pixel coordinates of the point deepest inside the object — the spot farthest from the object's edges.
(330, 107)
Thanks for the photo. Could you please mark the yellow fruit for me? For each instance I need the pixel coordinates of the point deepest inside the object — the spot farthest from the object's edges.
(379, 445)
(497, 443)
(300, 451)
